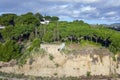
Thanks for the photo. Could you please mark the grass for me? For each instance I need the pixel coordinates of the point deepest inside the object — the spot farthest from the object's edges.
(74, 48)
(85, 43)
(3, 79)
(11, 75)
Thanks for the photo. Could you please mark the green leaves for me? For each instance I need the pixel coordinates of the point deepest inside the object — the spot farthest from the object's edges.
(9, 50)
(27, 19)
(36, 42)
(99, 34)
(48, 37)
(7, 19)
(21, 30)
(7, 32)
(16, 31)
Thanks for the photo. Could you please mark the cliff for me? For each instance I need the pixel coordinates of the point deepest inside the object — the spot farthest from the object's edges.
(69, 62)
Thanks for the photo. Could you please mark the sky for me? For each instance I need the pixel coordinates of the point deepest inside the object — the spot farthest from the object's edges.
(90, 11)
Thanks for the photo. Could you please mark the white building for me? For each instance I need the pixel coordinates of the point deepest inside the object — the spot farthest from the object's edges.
(2, 27)
(45, 21)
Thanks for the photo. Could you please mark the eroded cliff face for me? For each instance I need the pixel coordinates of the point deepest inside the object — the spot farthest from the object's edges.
(86, 61)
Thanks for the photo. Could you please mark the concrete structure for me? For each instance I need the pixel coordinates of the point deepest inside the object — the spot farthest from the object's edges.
(45, 21)
(2, 27)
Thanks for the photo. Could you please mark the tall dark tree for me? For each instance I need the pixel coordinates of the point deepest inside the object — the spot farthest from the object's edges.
(8, 19)
(28, 19)
(54, 18)
(39, 16)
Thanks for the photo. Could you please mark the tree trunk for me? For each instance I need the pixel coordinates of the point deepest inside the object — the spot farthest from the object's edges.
(35, 31)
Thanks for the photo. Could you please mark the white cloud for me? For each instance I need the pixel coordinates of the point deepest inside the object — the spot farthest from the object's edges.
(76, 13)
(64, 18)
(111, 13)
(87, 9)
(61, 9)
(81, 1)
(102, 18)
(63, 6)
(66, 9)
(115, 18)
(113, 3)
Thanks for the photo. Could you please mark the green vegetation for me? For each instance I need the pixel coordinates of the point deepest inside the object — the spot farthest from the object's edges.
(33, 48)
(88, 74)
(51, 57)
(9, 50)
(26, 28)
(89, 43)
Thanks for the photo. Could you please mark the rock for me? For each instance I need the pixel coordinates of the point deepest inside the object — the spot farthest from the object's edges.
(12, 63)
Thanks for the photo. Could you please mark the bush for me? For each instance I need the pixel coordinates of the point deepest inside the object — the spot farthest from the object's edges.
(51, 57)
(9, 50)
(36, 42)
(88, 73)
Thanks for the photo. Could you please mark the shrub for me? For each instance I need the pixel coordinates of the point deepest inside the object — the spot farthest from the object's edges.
(51, 57)
(88, 73)
(36, 42)
(57, 65)
(9, 50)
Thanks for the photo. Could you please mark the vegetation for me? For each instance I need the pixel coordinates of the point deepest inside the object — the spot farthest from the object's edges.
(88, 74)
(9, 50)
(51, 57)
(26, 28)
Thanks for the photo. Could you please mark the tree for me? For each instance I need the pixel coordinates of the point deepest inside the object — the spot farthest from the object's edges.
(47, 17)
(48, 37)
(28, 19)
(8, 19)
(54, 18)
(9, 50)
(39, 16)
(22, 30)
(7, 33)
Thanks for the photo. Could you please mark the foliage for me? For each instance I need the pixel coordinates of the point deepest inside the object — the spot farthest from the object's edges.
(27, 19)
(7, 32)
(78, 30)
(9, 50)
(36, 42)
(39, 16)
(7, 19)
(48, 37)
(88, 73)
(34, 47)
(51, 18)
(23, 28)
(51, 57)
(15, 32)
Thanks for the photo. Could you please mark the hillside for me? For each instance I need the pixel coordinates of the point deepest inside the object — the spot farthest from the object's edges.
(77, 61)
(30, 47)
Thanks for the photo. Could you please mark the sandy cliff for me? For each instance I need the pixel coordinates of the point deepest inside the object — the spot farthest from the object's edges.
(90, 60)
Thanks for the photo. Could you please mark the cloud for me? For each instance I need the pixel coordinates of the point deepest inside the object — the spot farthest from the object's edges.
(113, 3)
(111, 13)
(87, 9)
(80, 1)
(111, 18)
(92, 10)
(65, 18)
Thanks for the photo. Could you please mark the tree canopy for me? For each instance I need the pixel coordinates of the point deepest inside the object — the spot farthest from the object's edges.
(21, 29)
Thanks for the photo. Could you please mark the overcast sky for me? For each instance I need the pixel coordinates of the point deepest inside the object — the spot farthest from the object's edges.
(91, 11)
